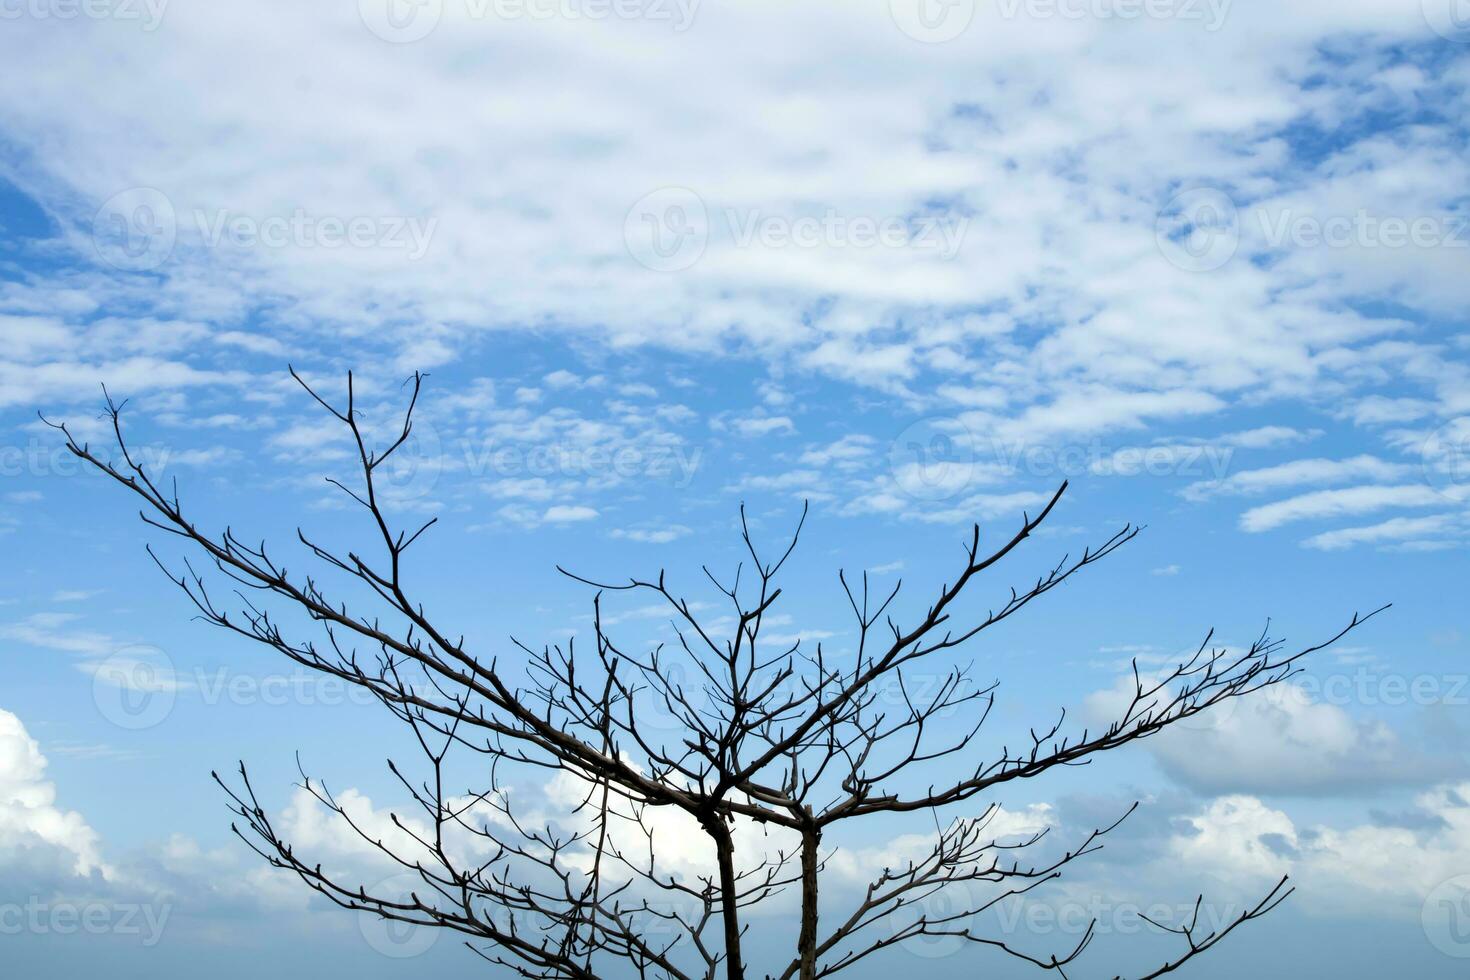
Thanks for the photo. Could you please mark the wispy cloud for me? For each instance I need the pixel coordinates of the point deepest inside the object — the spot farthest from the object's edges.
(1347, 502)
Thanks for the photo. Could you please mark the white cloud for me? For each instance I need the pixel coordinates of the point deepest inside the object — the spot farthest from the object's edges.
(1081, 410)
(966, 510)
(1377, 410)
(252, 342)
(658, 535)
(39, 384)
(1322, 504)
(1086, 326)
(850, 450)
(1282, 741)
(1266, 437)
(752, 428)
(29, 816)
(1228, 837)
(860, 865)
(1373, 868)
(74, 595)
(53, 631)
(1302, 472)
(1285, 739)
(528, 488)
(683, 849)
(1436, 529)
(568, 514)
(637, 390)
(806, 483)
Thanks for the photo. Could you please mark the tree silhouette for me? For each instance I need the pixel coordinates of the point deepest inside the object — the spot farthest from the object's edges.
(766, 745)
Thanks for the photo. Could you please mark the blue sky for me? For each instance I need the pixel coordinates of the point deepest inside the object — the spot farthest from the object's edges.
(914, 264)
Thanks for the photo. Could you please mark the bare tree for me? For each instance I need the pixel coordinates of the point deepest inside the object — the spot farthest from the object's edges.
(778, 743)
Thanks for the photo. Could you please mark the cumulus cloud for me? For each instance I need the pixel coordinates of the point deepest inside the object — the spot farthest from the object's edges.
(29, 817)
(1230, 849)
(1291, 738)
(682, 851)
(1374, 866)
(859, 865)
(171, 889)
(1282, 741)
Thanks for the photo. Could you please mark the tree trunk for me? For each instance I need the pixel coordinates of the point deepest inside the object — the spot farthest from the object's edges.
(806, 943)
(725, 847)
